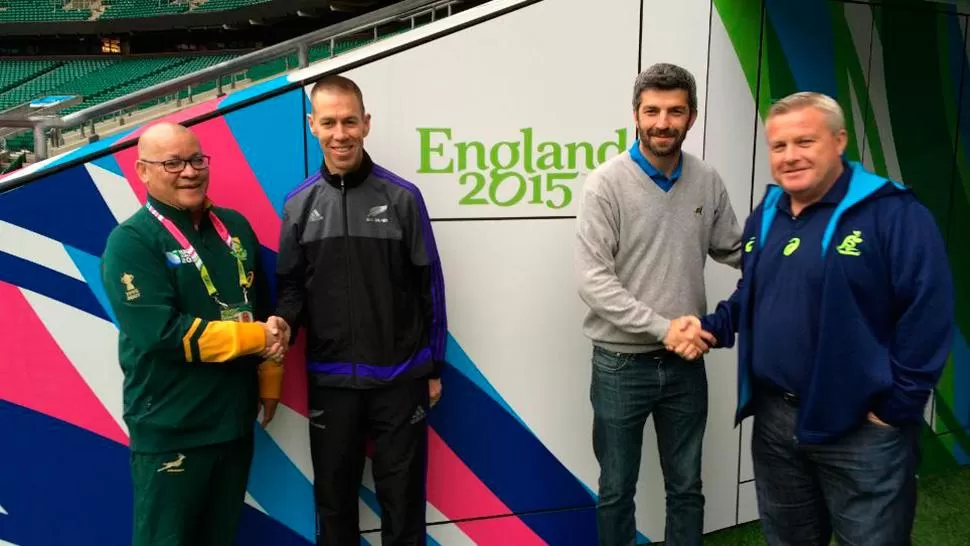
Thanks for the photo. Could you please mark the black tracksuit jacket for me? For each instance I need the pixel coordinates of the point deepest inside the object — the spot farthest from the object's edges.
(359, 269)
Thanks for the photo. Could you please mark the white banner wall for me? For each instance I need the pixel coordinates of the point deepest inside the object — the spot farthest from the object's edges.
(483, 118)
(503, 101)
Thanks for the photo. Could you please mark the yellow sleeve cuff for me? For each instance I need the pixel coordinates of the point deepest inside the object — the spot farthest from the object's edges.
(270, 379)
(222, 340)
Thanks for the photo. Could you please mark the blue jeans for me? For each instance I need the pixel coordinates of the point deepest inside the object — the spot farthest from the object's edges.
(862, 487)
(626, 388)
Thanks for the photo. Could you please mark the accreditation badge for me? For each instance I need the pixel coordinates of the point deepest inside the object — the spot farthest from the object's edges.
(242, 312)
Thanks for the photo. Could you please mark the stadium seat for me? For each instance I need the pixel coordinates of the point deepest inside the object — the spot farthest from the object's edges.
(48, 82)
(101, 80)
(222, 5)
(94, 86)
(16, 72)
(121, 9)
(34, 11)
(190, 65)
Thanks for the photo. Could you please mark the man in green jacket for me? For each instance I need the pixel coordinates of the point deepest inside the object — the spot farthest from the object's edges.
(184, 280)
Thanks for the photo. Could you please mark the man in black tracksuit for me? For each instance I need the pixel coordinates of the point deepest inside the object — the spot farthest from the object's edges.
(359, 269)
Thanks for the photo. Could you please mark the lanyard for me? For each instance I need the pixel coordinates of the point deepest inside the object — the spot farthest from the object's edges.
(190, 251)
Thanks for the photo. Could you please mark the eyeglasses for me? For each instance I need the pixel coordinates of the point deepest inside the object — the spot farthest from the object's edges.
(175, 166)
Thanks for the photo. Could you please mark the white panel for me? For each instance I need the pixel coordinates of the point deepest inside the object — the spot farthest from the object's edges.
(929, 415)
(880, 104)
(746, 462)
(858, 121)
(859, 19)
(368, 478)
(522, 329)
(369, 520)
(289, 430)
(731, 122)
(650, 499)
(38, 249)
(90, 344)
(3, 511)
(499, 96)
(762, 167)
(368, 517)
(677, 32)
(116, 192)
(745, 465)
(5, 543)
(252, 502)
(446, 535)
(747, 503)
(867, 161)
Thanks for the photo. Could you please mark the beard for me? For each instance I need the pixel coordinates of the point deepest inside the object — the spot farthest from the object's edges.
(658, 149)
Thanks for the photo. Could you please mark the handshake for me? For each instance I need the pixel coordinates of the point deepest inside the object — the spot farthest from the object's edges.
(277, 339)
(686, 338)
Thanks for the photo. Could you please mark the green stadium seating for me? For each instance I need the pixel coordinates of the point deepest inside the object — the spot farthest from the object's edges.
(100, 80)
(15, 164)
(39, 11)
(95, 85)
(16, 71)
(126, 9)
(271, 68)
(53, 11)
(49, 82)
(222, 5)
(22, 141)
(191, 64)
(120, 9)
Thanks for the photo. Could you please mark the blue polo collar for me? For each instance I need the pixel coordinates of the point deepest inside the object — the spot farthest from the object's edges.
(658, 177)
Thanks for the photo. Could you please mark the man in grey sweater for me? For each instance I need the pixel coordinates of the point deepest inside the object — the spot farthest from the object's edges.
(648, 219)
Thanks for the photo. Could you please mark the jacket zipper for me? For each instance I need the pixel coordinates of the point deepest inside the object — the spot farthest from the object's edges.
(350, 310)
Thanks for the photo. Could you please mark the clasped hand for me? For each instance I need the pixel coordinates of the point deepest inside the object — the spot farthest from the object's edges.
(277, 339)
(686, 338)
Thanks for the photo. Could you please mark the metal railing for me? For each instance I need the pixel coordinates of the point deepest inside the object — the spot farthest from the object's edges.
(396, 13)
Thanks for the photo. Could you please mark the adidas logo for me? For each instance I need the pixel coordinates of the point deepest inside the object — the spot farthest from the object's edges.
(315, 216)
(418, 415)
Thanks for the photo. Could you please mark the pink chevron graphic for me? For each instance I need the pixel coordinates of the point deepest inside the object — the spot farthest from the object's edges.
(232, 183)
(38, 375)
(457, 493)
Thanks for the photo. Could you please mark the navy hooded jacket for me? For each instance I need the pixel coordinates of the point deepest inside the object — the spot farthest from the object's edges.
(886, 314)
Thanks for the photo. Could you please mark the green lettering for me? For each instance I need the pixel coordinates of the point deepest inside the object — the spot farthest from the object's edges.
(463, 148)
(619, 145)
(427, 149)
(527, 150)
(496, 155)
(573, 147)
(549, 160)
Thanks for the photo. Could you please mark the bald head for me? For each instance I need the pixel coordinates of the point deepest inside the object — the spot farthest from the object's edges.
(163, 136)
(162, 149)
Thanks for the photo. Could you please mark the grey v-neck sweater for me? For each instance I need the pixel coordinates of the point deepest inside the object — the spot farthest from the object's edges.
(640, 251)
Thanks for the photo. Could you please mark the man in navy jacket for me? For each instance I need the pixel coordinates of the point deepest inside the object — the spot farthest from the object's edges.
(844, 315)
